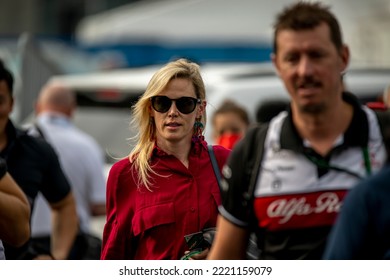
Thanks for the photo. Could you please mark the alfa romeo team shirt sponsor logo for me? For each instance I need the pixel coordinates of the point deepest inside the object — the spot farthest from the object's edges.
(292, 211)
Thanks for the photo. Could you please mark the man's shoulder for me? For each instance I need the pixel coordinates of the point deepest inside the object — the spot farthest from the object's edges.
(32, 148)
(250, 149)
(32, 142)
(254, 136)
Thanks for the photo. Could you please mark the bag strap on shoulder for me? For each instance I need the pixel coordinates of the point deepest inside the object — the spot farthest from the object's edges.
(254, 156)
(215, 164)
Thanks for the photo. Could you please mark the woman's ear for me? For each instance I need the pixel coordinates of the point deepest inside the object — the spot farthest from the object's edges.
(201, 109)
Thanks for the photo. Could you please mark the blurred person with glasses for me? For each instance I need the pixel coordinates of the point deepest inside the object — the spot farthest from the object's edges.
(166, 188)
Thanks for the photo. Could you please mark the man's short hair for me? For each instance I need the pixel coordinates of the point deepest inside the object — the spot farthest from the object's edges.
(308, 15)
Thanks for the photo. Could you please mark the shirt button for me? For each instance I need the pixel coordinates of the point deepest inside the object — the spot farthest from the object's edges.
(192, 209)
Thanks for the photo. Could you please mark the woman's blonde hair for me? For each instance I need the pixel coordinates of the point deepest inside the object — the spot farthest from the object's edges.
(145, 138)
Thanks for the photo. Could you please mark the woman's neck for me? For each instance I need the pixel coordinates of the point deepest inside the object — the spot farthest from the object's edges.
(180, 149)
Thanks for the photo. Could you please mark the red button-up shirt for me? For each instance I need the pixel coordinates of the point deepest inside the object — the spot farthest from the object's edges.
(151, 225)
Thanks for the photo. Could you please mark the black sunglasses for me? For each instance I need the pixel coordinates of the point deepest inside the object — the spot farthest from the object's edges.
(185, 105)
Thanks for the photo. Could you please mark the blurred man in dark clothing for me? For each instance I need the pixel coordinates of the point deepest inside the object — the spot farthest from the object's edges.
(35, 167)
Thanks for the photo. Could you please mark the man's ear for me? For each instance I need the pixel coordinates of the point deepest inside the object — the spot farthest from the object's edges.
(12, 102)
(275, 63)
(345, 56)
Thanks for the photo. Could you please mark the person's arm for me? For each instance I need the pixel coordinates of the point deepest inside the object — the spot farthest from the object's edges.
(14, 212)
(57, 191)
(64, 226)
(230, 241)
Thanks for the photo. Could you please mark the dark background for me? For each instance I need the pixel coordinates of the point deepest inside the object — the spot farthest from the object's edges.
(50, 17)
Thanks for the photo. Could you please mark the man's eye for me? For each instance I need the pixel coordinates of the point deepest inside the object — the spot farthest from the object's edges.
(316, 55)
(291, 58)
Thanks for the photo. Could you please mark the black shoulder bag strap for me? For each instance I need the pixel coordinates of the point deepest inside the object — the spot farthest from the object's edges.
(254, 163)
(254, 156)
(39, 129)
(252, 252)
(38, 133)
(215, 164)
(257, 144)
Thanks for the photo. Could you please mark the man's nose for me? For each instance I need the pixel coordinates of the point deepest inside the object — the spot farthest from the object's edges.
(305, 67)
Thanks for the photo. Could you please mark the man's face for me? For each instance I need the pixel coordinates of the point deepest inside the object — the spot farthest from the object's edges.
(310, 66)
(6, 102)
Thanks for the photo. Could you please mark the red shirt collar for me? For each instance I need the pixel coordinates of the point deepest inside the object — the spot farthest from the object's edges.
(196, 145)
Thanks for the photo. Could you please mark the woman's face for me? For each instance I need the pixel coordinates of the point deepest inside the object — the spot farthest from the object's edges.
(174, 125)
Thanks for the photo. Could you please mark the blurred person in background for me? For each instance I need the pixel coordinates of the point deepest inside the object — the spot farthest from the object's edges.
(35, 167)
(230, 123)
(383, 103)
(166, 189)
(286, 181)
(14, 211)
(82, 161)
(362, 228)
(386, 97)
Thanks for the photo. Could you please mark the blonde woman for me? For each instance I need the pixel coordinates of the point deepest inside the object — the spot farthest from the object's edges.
(166, 188)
